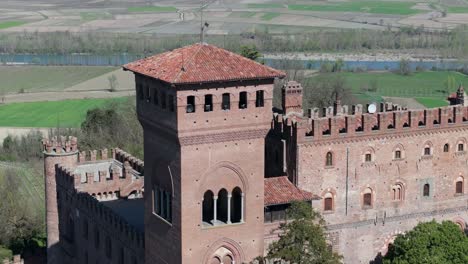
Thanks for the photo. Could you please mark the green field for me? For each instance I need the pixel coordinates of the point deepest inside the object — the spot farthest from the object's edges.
(46, 78)
(67, 113)
(139, 9)
(378, 7)
(266, 5)
(269, 16)
(9, 24)
(427, 88)
(457, 9)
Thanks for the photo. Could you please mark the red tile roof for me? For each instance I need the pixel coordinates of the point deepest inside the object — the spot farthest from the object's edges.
(200, 63)
(279, 190)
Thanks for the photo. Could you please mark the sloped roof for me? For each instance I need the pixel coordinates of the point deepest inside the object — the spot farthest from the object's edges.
(279, 190)
(201, 63)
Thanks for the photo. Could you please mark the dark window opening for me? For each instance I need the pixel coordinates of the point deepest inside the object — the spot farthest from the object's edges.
(275, 213)
(461, 147)
(405, 125)
(398, 154)
(190, 104)
(242, 100)
(367, 199)
(359, 129)
(226, 104)
(329, 159)
(328, 204)
(236, 205)
(446, 148)
(259, 100)
(421, 123)
(171, 103)
(368, 157)
(426, 190)
(427, 151)
(221, 206)
(459, 187)
(121, 256)
(85, 229)
(208, 103)
(148, 93)
(208, 207)
(163, 100)
(156, 97)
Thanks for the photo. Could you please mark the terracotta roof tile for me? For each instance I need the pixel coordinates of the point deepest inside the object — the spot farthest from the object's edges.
(279, 190)
(200, 63)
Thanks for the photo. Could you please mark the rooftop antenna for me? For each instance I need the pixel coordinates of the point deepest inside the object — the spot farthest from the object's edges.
(203, 26)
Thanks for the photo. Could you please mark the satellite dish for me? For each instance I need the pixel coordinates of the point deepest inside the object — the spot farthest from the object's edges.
(190, 108)
(372, 108)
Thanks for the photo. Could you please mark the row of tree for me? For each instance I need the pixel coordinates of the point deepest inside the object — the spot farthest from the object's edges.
(449, 43)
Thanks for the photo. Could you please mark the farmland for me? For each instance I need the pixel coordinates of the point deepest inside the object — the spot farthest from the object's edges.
(138, 9)
(66, 113)
(378, 7)
(21, 79)
(8, 24)
(428, 88)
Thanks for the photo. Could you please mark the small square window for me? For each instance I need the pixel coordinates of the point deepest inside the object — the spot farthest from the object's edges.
(427, 151)
(368, 157)
(461, 147)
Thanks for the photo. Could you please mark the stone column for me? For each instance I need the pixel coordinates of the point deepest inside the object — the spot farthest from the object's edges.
(229, 209)
(215, 202)
(242, 208)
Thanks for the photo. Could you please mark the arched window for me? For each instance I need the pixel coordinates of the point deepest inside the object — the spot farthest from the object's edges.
(426, 190)
(461, 147)
(397, 154)
(226, 103)
(222, 206)
(398, 192)
(242, 100)
(208, 209)
(446, 147)
(459, 186)
(215, 260)
(190, 108)
(329, 159)
(236, 205)
(328, 202)
(427, 151)
(368, 157)
(367, 198)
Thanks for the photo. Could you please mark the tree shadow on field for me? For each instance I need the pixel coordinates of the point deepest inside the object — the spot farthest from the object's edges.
(377, 260)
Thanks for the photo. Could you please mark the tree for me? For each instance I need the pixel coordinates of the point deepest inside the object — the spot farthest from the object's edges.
(303, 240)
(429, 242)
(321, 91)
(113, 83)
(404, 67)
(250, 52)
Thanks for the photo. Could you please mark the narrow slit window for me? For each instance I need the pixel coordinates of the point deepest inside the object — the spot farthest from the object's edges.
(156, 97)
(259, 99)
(226, 104)
(148, 93)
(208, 103)
(426, 190)
(171, 103)
(242, 100)
(446, 148)
(190, 104)
(163, 100)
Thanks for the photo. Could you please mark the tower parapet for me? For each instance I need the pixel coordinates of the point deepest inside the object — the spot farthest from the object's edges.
(292, 98)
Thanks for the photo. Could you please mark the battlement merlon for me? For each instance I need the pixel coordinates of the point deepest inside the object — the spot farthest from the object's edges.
(60, 145)
(390, 119)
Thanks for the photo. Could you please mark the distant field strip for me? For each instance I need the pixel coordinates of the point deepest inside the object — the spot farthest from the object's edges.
(269, 16)
(266, 5)
(67, 113)
(457, 9)
(431, 102)
(46, 78)
(9, 24)
(138, 9)
(378, 7)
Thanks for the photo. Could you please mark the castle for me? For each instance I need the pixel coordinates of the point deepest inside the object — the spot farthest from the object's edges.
(221, 168)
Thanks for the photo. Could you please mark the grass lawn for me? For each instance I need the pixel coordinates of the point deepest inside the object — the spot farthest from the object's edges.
(67, 113)
(378, 7)
(269, 16)
(139, 9)
(9, 24)
(431, 102)
(266, 5)
(46, 78)
(427, 88)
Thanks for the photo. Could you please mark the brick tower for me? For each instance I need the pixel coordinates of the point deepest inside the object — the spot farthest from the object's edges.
(62, 151)
(205, 114)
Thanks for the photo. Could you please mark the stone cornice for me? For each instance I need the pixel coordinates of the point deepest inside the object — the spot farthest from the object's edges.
(390, 134)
